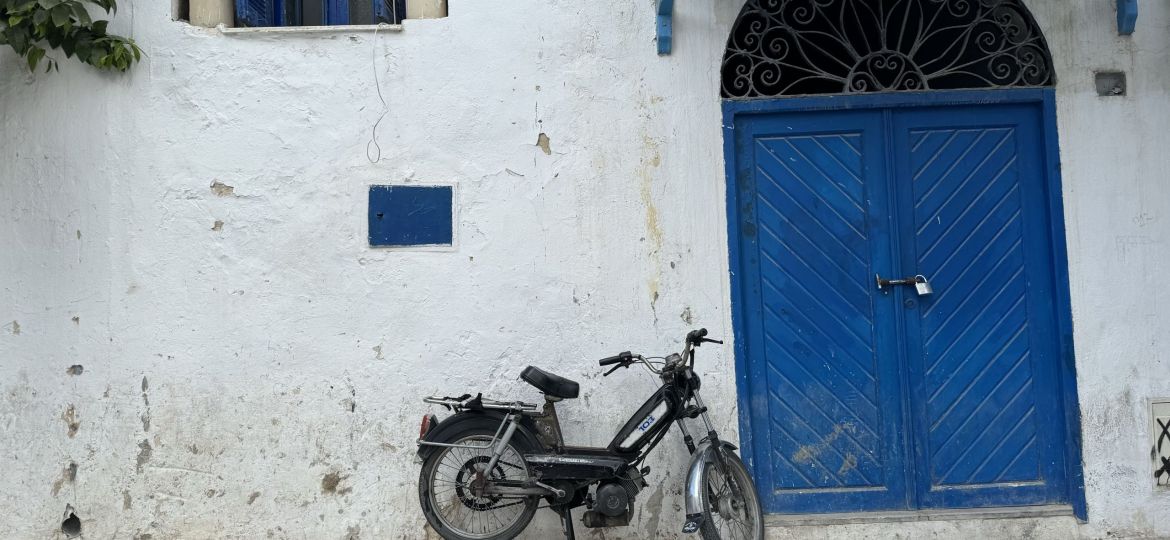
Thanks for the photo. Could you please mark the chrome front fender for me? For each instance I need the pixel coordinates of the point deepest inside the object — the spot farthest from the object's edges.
(696, 482)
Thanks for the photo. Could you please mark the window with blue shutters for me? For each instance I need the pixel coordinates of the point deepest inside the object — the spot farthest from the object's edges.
(318, 12)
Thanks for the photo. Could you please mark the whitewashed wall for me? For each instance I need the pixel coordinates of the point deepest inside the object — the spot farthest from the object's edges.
(243, 348)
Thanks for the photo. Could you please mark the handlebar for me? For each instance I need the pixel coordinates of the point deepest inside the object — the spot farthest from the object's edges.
(699, 337)
(695, 338)
(623, 357)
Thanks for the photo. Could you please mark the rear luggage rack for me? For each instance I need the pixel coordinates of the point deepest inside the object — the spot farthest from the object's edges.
(515, 410)
(468, 403)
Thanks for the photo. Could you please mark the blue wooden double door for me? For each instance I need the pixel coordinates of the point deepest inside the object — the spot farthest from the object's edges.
(863, 398)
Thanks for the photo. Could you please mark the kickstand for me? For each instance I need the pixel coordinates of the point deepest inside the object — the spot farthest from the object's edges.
(566, 521)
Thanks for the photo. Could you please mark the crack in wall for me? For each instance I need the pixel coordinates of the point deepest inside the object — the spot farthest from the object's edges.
(650, 161)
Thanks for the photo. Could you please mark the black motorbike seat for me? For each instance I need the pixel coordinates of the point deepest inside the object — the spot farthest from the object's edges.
(550, 384)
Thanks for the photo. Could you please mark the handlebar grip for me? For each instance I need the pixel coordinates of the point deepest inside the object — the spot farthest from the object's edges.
(614, 359)
(695, 335)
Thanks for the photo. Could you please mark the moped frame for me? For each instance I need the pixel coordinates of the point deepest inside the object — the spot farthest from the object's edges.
(678, 393)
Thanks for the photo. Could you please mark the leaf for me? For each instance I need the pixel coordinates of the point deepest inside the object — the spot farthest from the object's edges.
(61, 16)
(106, 5)
(55, 38)
(34, 57)
(18, 39)
(81, 14)
(31, 27)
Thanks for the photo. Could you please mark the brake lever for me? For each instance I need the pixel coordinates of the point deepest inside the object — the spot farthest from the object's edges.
(713, 341)
(625, 364)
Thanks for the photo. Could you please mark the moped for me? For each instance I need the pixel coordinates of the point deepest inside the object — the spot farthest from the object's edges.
(486, 468)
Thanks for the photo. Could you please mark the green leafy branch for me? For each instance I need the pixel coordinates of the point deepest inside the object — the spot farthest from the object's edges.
(28, 26)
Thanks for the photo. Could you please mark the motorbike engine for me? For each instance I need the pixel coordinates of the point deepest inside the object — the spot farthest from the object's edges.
(612, 500)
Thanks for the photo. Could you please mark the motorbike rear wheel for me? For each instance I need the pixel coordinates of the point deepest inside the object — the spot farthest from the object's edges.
(731, 506)
(447, 487)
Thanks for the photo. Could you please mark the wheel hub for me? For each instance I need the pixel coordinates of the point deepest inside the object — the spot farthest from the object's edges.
(471, 481)
(731, 507)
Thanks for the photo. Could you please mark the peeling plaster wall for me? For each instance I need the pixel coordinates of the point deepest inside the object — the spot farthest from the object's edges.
(1117, 202)
(192, 237)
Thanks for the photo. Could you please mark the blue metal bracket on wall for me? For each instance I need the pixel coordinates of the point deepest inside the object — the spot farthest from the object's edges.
(666, 25)
(1127, 14)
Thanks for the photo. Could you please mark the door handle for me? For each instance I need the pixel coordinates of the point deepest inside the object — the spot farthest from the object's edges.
(921, 284)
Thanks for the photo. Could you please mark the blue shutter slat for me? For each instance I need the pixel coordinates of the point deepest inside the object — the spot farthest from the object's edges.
(390, 11)
(256, 13)
(337, 12)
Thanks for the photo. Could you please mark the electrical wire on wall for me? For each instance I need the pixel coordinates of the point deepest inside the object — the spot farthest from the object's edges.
(373, 149)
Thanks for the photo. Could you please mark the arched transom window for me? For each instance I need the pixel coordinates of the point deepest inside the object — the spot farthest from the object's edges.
(799, 47)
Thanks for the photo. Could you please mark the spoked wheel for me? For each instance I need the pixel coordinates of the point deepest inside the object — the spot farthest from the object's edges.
(731, 506)
(451, 490)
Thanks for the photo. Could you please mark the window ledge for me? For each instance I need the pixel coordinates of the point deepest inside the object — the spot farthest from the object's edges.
(340, 29)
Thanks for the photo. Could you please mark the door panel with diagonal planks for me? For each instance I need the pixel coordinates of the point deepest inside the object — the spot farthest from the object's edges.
(827, 402)
(984, 347)
(864, 398)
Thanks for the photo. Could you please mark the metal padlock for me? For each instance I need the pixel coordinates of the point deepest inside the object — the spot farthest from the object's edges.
(922, 285)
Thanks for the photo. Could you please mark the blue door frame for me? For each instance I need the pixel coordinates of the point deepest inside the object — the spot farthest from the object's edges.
(736, 111)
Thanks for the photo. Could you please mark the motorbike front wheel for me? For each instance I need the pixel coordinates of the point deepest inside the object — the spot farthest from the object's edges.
(447, 489)
(731, 506)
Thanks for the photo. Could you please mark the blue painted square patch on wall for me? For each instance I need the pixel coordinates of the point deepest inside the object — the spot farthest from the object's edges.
(411, 215)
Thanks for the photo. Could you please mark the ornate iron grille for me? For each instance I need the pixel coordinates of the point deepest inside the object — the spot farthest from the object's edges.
(798, 47)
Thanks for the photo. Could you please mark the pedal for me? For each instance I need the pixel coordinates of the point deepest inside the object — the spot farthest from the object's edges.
(559, 493)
